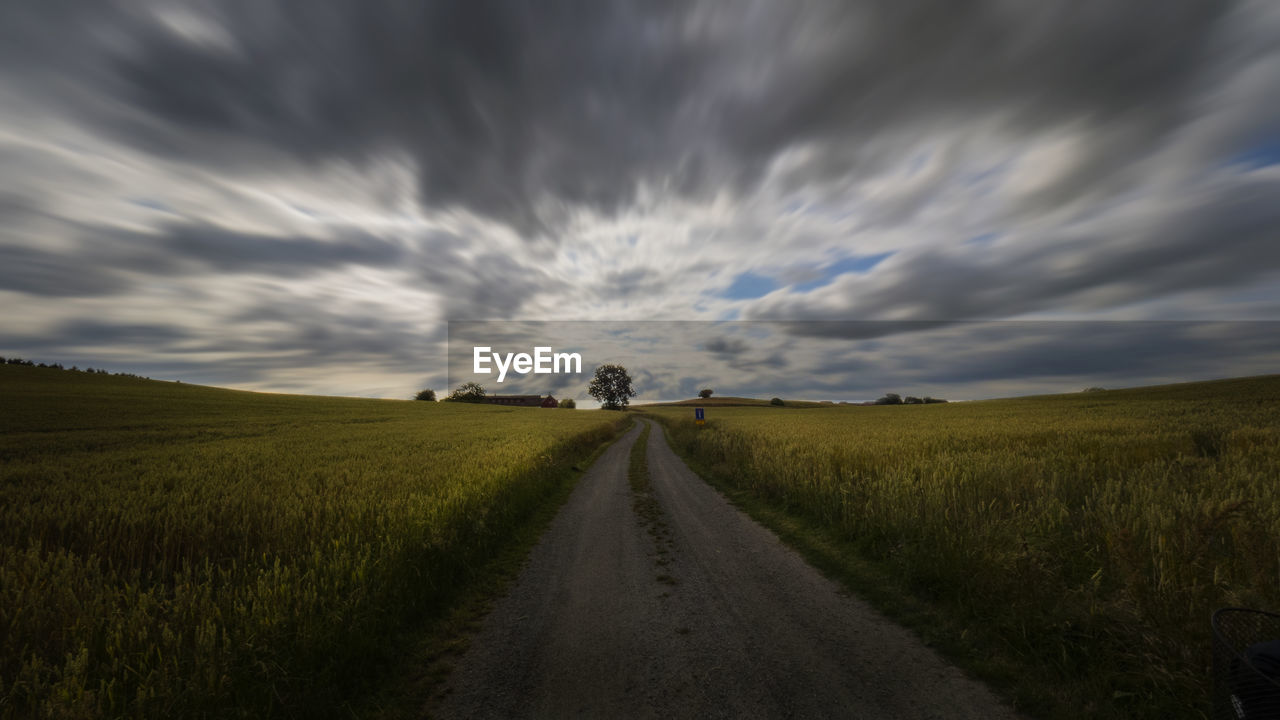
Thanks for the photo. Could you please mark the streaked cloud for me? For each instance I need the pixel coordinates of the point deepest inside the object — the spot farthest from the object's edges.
(285, 195)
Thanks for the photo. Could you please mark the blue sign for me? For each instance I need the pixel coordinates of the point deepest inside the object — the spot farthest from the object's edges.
(697, 414)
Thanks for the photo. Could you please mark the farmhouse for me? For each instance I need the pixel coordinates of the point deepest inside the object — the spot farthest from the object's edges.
(522, 400)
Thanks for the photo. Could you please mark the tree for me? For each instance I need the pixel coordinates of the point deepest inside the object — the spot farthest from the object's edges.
(706, 393)
(568, 403)
(776, 401)
(612, 387)
(429, 395)
(469, 392)
(890, 399)
(912, 400)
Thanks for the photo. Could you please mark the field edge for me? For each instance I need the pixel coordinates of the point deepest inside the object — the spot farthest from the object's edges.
(426, 661)
(981, 656)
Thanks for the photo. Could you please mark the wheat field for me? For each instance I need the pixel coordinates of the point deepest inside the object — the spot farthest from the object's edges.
(169, 550)
(1088, 536)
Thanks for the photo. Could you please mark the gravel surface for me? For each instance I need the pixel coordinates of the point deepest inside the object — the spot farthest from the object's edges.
(699, 613)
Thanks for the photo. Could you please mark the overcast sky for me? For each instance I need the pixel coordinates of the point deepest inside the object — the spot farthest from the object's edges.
(298, 196)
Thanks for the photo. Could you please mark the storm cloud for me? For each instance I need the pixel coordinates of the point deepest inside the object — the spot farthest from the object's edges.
(315, 189)
(504, 107)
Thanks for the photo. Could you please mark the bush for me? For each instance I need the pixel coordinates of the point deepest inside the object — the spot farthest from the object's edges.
(428, 395)
(912, 400)
(890, 399)
(932, 400)
(705, 393)
(468, 392)
(568, 404)
(777, 401)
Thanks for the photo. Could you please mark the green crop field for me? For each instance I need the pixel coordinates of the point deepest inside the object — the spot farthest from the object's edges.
(171, 550)
(1083, 540)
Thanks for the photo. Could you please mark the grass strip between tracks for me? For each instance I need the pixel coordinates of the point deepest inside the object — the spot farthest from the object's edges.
(647, 509)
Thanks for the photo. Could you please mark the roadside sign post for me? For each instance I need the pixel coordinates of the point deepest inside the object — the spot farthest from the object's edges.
(699, 417)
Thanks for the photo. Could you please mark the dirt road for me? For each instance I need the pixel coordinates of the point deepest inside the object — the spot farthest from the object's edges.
(700, 613)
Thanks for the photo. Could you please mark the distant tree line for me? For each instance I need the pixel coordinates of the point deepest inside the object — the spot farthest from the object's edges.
(896, 399)
(73, 368)
(472, 392)
(611, 386)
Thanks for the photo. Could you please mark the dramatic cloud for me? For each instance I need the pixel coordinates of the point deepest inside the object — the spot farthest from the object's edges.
(291, 195)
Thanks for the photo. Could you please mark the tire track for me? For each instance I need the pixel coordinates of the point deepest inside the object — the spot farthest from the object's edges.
(740, 627)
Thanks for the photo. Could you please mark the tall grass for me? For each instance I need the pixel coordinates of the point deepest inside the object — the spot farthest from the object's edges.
(169, 550)
(1090, 535)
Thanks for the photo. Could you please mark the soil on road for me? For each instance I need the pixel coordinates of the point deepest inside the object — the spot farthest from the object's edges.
(699, 613)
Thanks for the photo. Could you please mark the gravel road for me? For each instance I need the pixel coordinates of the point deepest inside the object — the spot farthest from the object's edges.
(699, 613)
